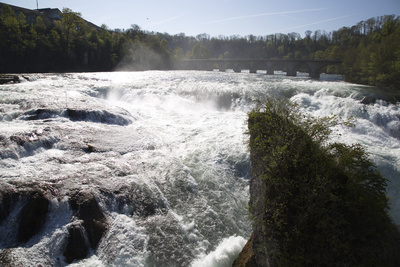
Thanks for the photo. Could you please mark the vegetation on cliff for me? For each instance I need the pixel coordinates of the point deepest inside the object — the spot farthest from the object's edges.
(315, 203)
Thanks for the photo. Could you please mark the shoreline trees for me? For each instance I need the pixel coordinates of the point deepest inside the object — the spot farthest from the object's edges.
(370, 50)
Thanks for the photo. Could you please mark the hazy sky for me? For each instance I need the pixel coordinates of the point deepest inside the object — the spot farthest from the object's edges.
(224, 17)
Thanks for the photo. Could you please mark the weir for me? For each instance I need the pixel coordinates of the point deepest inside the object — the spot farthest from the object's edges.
(291, 66)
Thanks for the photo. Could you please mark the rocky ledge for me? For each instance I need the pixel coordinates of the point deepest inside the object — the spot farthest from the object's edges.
(76, 218)
(313, 203)
(9, 79)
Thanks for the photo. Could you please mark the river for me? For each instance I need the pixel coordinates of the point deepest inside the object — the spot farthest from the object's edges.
(165, 155)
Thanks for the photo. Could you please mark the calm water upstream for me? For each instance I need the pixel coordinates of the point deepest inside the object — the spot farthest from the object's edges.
(177, 141)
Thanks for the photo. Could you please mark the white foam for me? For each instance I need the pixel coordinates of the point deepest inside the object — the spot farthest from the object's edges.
(224, 255)
(125, 243)
(185, 153)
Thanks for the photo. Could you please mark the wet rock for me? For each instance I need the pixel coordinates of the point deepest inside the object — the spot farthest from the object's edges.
(3, 140)
(77, 246)
(119, 200)
(29, 137)
(6, 151)
(89, 148)
(6, 258)
(88, 210)
(18, 139)
(368, 100)
(8, 200)
(146, 202)
(9, 79)
(24, 144)
(32, 216)
(246, 257)
(394, 128)
(40, 114)
(101, 116)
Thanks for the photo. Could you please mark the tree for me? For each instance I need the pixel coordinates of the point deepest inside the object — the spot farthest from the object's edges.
(70, 22)
(200, 52)
(315, 203)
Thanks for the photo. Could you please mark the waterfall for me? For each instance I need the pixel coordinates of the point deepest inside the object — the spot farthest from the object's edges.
(151, 168)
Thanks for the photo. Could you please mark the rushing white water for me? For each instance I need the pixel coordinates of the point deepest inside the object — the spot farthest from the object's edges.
(173, 142)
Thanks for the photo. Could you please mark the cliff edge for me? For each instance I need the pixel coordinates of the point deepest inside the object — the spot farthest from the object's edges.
(312, 202)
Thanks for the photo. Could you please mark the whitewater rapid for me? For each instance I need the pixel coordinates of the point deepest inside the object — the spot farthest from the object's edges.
(166, 156)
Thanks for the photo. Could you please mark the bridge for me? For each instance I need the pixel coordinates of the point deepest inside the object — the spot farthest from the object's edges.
(291, 66)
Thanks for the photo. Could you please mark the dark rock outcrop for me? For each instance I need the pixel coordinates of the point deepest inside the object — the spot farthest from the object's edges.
(24, 209)
(98, 116)
(88, 210)
(8, 200)
(40, 114)
(32, 216)
(77, 247)
(9, 79)
(246, 257)
(88, 229)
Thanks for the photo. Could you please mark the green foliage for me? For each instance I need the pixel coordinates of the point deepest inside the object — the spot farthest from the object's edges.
(370, 50)
(324, 204)
(200, 52)
(72, 44)
(376, 58)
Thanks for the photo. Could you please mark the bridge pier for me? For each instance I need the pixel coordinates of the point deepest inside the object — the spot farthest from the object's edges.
(314, 74)
(291, 72)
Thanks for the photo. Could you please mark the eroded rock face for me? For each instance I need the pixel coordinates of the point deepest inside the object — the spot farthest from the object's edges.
(98, 116)
(89, 212)
(88, 226)
(9, 79)
(30, 207)
(77, 247)
(8, 200)
(303, 193)
(32, 216)
(258, 207)
(246, 257)
(27, 212)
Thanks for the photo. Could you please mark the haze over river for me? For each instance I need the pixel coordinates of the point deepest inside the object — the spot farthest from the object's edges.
(174, 144)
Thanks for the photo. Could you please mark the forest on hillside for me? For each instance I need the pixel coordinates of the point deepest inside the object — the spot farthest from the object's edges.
(370, 50)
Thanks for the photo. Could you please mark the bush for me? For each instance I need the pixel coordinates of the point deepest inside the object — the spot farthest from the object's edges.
(315, 203)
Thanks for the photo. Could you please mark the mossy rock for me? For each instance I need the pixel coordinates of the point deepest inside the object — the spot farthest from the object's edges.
(315, 203)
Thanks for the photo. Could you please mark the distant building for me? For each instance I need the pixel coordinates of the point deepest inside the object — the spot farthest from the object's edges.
(49, 15)
(30, 15)
(53, 13)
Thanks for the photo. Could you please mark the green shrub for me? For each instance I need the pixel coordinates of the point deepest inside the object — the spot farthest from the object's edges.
(321, 204)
